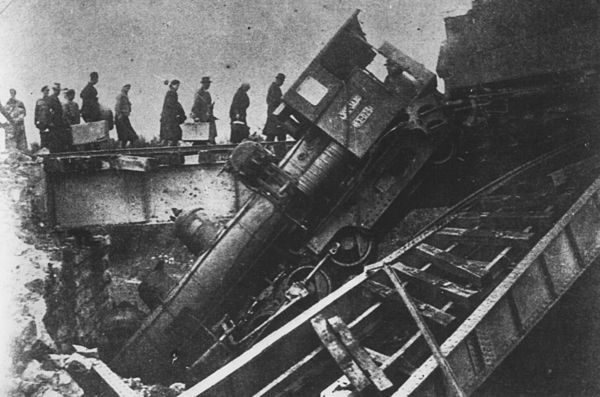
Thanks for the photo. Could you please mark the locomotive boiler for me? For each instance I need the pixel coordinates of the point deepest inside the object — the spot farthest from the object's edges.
(362, 143)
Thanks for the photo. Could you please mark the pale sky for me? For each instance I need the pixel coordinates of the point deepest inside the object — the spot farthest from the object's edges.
(142, 42)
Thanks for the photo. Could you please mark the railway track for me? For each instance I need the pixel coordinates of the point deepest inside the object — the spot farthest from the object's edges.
(480, 277)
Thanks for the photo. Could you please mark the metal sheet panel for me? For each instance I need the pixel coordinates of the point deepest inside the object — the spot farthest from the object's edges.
(111, 197)
(561, 263)
(530, 294)
(585, 227)
(94, 199)
(312, 92)
(360, 112)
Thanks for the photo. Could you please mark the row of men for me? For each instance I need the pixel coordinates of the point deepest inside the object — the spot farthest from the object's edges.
(173, 115)
(54, 120)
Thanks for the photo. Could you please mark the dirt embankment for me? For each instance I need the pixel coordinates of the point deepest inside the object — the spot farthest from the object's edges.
(57, 292)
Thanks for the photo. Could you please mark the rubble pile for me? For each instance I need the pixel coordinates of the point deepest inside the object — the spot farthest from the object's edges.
(47, 378)
(56, 294)
(26, 255)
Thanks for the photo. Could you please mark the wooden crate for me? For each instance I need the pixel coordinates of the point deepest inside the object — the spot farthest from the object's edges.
(96, 131)
(197, 131)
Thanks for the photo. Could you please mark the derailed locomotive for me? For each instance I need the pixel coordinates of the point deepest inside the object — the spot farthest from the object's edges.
(362, 143)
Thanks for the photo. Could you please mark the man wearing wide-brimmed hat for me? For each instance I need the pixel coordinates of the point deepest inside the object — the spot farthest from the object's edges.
(203, 108)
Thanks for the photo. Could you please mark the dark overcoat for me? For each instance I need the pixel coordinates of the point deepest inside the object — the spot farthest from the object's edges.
(90, 108)
(239, 105)
(171, 116)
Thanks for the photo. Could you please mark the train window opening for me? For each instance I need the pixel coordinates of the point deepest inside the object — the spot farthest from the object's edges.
(377, 67)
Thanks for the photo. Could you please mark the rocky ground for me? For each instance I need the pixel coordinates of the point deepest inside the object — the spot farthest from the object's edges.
(33, 259)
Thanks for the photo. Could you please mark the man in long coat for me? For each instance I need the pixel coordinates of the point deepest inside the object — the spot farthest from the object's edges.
(172, 116)
(274, 95)
(273, 129)
(125, 131)
(42, 117)
(237, 114)
(90, 108)
(203, 108)
(60, 133)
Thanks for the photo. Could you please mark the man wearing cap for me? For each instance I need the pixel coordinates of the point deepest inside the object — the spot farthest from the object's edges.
(60, 139)
(125, 131)
(203, 108)
(71, 108)
(15, 133)
(90, 108)
(42, 116)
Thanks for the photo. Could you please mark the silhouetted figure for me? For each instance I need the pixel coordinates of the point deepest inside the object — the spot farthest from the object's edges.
(203, 108)
(15, 130)
(237, 114)
(125, 131)
(42, 117)
(272, 128)
(172, 116)
(60, 138)
(71, 108)
(90, 108)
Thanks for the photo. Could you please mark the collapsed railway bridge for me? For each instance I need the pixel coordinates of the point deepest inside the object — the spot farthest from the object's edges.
(288, 294)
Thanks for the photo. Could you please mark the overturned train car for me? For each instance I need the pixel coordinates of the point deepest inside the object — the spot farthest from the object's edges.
(362, 143)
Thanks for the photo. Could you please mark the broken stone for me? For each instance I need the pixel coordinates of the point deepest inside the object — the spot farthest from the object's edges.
(36, 286)
(49, 393)
(34, 373)
(178, 387)
(29, 387)
(26, 331)
(65, 384)
(38, 351)
(160, 391)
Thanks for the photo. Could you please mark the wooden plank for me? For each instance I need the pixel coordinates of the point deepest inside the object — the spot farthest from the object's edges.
(473, 271)
(96, 378)
(339, 353)
(428, 311)
(503, 219)
(359, 354)
(520, 202)
(379, 358)
(441, 360)
(295, 370)
(455, 291)
(485, 236)
(495, 263)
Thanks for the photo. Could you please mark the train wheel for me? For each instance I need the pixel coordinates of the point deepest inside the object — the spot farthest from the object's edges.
(444, 153)
(318, 286)
(354, 247)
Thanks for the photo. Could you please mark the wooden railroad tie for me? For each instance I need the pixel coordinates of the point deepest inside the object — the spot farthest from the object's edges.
(354, 361)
